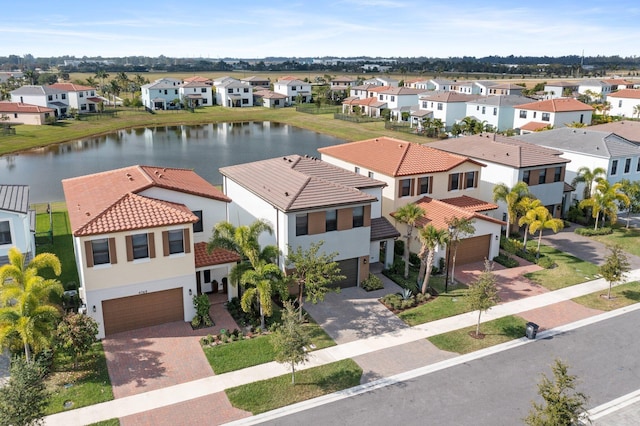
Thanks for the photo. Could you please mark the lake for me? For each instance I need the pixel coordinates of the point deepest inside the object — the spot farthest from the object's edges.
(203, 148)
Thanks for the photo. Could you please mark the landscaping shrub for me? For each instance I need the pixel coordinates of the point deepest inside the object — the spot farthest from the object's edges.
(398, 266)
(372, 283)
(510, 245)
(506, 261)
(590, 232)
(414, 260)
(398, 248)
(546, 262)
(202, 305)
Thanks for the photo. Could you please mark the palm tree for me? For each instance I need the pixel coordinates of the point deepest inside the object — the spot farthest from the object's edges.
(511, 197)
(636, 110)
(542, 222)
(102, 75)
(263, 281)
(408, 214)
(531, 209)
(114, 88)
(459, 227)
(587, 176)
(123, 81)
(431, 238)
(605, 200)
(631, 190)
(91, 82)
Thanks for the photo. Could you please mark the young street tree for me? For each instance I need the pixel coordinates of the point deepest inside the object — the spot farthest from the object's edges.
(24, 398)
(76, 334)
(483, 293)
(459, 228)
(290, 340)
(615, 267)
(562, 404)
(408, 214)
(313, 272)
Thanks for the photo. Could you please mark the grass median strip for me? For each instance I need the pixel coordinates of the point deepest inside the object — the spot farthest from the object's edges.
(569, 270)
(277, 392)
(621, 295)
(497, 331)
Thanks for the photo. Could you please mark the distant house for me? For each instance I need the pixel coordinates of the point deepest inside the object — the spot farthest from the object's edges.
(256, 81)
(560, 89)
(497, 111)
(630, 130)
(600, 88)
(381, 81)
(232, 93)
(624, 103)
(17, 222)
(370, 107)
(163, 93)
(293, 89)
(82, 98)
(343, 81)
(557, 112)
(44, 96)
(618, 83)
(503, 89)
(447, 106)
(306, 201)
(139, 237)
(196, 93)
(17, 113)
(269, 98)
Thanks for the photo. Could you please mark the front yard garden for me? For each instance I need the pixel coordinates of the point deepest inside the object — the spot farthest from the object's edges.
(621, 295)
(568, 270)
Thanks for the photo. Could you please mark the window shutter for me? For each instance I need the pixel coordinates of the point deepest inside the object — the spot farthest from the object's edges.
(399, 188)
(152, 244)
(475, 179)
(129, 242)
(186, 240)
(367, 215)
(88, 253)
(550, 175)
(412, 187)
(450, 182)
(165, 243)
(113, 257)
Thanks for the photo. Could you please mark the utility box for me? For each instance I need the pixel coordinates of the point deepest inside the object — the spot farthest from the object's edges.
(531, 330)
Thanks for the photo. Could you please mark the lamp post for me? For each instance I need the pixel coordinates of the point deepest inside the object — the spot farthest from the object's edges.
(446, 278)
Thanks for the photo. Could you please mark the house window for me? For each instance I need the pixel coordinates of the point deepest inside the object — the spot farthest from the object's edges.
(440, 106)
(175, 92)
(370, 175)
(358, 217)
(63, 96)
(542, 176)
(140, 246)
(424, 104)
(495, 111)
(535, 113)
(331, 220)
(614, 167)
(523, 114)
(50, 97)
(454, 181)
(525, 176)
(557, 174)
(5, 233)
(470, 180)
(619, 103)
(546, 116)
(356, 169)
(627, 165)
(425, 184)
(229, 90)
(484, 109)
(245, 90)
(165, 91)
(405, 187)
(302, 224)
(245, 101)
(81, 94)
(638, 166)
(100, 251)
(198, 227)
(393, 98)
(176, 241)
(203, 90)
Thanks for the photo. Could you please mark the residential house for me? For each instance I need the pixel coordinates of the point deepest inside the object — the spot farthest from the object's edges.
(435, 84)
(198, 79)
(139, 237)
(599, 88)
(196, 92)
(293, 89)
(382, 81)
(343, 82)
(560, 89)
(630, 130)
(256, 81)
(410, 171)
(17, 113)
(591, 148)
(307, 200)
(362, 91)
(370, 107)
(232, 93)
(268, 98)
(398, 99)
(17, 222)
(625, 103)
(555, 112)
(447, 106)
(163, 93)
(509, 161)
(5, 76)
(503, 89)
(618, 83)
(465, 87)
(497, 111)
(82, 98)
(44, 96)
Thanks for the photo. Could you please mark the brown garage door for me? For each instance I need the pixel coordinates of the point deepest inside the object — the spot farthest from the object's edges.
(129, 313)
(473, 249)
(348, 268)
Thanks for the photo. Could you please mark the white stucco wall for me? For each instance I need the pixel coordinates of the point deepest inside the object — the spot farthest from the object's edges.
(21, 236)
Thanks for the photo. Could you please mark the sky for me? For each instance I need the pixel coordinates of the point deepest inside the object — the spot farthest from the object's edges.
(317, 28)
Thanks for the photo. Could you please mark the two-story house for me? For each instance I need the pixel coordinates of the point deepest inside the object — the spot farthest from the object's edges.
(556, 112)
(307, 200)
(44, 96)
(497, 111)
(232, 93)
(449, 107)
(257, 81)
(508, 161)
(163, 93)
(625, 103)
(560, 89)
(196, 93)
(139, 237)
(630, 130)
(598, 88)
(82, 98)
(17, 222)
(294, 89)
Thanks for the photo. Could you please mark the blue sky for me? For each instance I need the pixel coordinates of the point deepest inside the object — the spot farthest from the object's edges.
(255, 29)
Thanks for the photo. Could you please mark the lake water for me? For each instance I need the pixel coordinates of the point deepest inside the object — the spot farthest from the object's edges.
(203, 148)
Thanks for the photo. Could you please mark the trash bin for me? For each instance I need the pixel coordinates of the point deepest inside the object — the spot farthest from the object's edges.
(532, 330)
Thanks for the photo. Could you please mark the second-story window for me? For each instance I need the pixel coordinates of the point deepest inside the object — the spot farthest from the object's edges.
(542, 176)
(439, 106)
(470, 180)
(614, 167)
(405, 187)
(523, 114)
(176, 241)
(356, 169)
(358, 217)
(100, 251)
(557, 174)
(198, 227)
(302, 224)
(425, 185)
(140, 246)
(454, 181)
(627, 165)
(525, 176)
(331, 220)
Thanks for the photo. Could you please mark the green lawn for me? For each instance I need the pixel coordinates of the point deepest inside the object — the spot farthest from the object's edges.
(621, 295)
(259, 350)
(569, 270)
(497, 331)
(89, 384)
(277, 392)
(626, 238)
(443, 306)
(110, 422)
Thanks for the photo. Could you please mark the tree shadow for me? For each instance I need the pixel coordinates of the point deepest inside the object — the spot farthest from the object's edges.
(631, 294)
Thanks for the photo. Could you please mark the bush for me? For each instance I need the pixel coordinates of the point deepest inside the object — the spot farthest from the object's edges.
(506, 261)
(546, 262)
(414, 260)
(398, 248)
(510, 245)
(590, 232)
(398, 266)
(372, 283)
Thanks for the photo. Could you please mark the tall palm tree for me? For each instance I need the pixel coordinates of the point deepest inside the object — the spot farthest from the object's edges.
(123, 81)
(102, 75)
(542, 222)
(431, 237)
(115, 89)
(459, 227)
(263, 281)
(587, 176)
(408, 214)
(605, 200)
(511, 197)
(531, 209)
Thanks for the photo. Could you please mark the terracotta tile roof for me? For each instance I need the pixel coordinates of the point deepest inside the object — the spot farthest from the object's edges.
(626, 93)
(370, 101)
(218, 256)
(71, 87)
(442, 96)
(534, 126)
(395, 157)
(470, 203)
(133, 212)
(556, 105)
(617, 81)
(509, 86)
(629, 130)
(399, 91)
(294, 183)
(198, 79)
(499, 149)
(88, 196)
(13, 107)
(568, 188)
(437, 212)
(381, 229)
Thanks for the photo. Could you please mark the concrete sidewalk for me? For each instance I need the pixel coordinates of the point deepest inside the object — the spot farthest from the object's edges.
(199, 388)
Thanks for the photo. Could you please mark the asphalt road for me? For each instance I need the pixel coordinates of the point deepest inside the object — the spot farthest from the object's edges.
(497, 389)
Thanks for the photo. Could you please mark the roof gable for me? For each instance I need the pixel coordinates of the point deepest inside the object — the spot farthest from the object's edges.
(556, 105)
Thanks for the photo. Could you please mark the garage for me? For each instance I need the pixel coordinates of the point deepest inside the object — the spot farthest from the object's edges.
(348, 268)
(474, 249)
(145, 310)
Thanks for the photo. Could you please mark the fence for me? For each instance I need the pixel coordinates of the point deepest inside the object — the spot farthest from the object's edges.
(357, 118)
(315, 109)
(44, 231)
